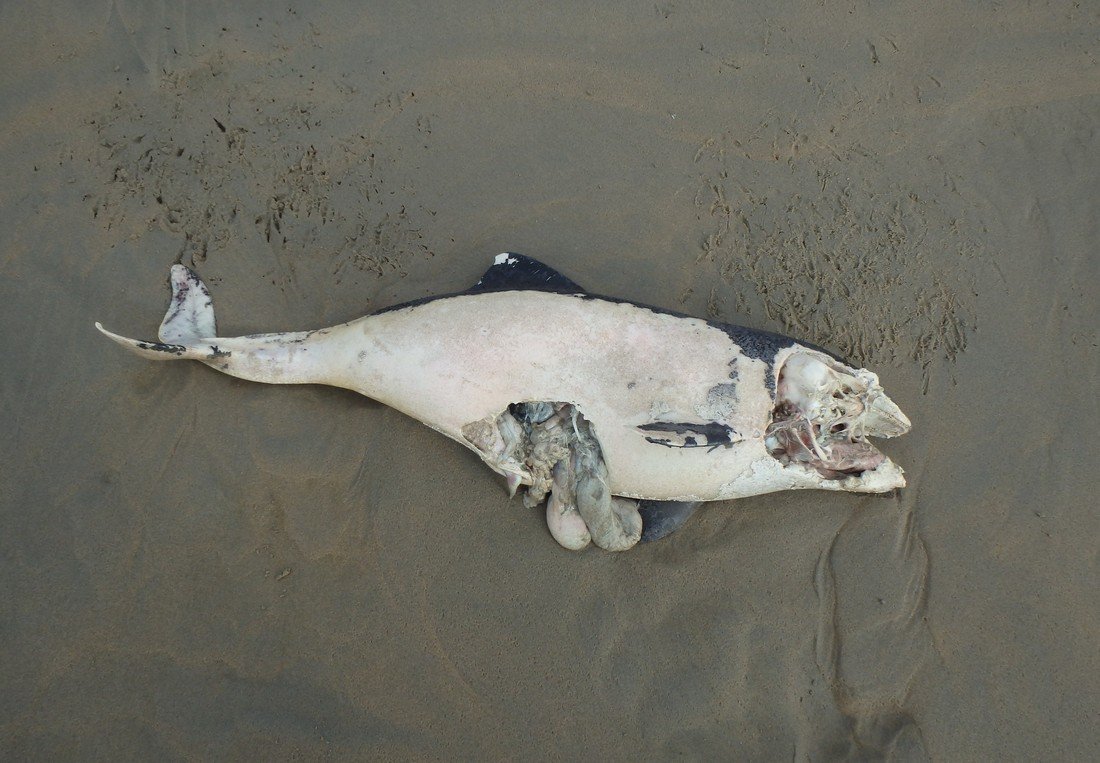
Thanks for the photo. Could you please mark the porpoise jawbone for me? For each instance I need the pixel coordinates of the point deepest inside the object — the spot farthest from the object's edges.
(622, 417)
(824, 413)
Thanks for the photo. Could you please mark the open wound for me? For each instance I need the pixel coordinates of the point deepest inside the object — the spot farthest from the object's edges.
(550, 448)
(824, 413)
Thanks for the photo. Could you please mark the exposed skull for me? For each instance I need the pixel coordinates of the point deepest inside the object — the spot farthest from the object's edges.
(824, 413)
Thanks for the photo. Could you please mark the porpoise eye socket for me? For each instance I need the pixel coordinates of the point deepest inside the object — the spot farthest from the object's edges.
(836, 428)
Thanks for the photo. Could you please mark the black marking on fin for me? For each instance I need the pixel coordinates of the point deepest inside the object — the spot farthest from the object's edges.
(688, 435)
(171, 349)
(661, 518)
(517, 272)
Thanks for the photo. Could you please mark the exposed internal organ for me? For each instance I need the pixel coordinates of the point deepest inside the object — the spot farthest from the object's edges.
(824, 413)
(550, 448)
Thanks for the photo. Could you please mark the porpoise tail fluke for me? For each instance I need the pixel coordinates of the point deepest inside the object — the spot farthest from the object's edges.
(189, 332)
(158, 350)
(190, 315)
(190, 319)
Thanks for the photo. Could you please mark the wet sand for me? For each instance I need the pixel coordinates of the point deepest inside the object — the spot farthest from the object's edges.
(196, 567)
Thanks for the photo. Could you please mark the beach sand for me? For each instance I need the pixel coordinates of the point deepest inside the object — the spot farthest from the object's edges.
(196, 567)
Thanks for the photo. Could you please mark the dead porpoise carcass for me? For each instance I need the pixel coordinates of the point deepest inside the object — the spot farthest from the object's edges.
(624, 417)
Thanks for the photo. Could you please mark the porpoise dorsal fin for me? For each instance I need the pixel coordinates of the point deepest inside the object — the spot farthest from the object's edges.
(516, 272)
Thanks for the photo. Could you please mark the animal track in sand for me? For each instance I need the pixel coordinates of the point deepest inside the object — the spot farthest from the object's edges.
(224, 152)
(829, 248)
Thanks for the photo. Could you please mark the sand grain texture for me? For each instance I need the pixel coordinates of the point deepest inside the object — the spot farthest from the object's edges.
(195, 567)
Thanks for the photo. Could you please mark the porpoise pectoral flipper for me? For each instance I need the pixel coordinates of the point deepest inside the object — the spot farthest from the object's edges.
(660, 518)
(590, 402)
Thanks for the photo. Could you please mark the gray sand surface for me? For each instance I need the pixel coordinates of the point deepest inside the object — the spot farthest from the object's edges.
(195, 567)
